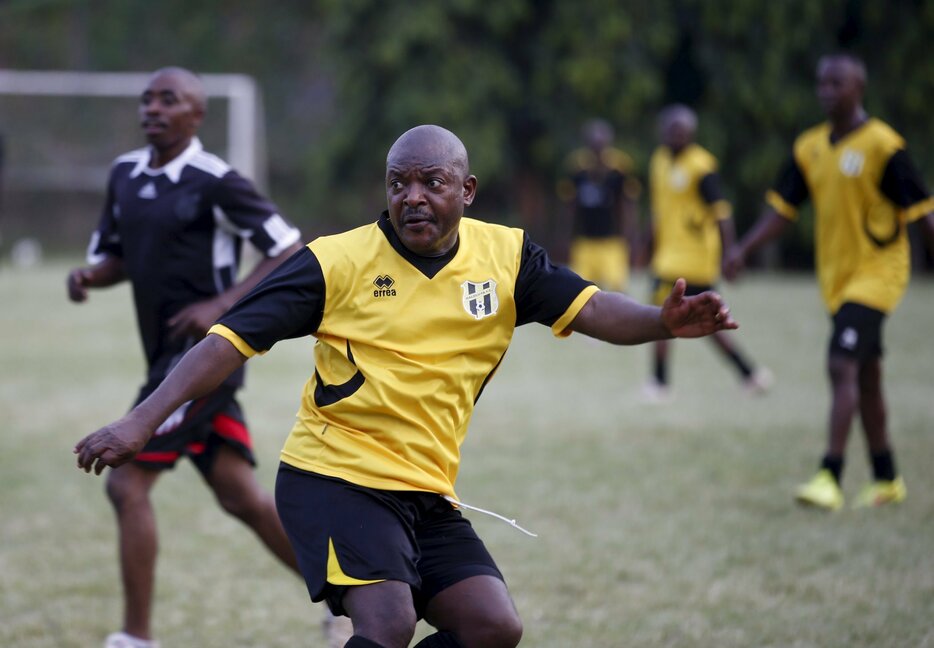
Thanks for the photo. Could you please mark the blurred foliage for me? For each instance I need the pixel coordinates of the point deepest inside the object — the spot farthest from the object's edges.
(514, 78)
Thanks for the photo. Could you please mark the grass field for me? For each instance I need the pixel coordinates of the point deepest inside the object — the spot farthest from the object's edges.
(658, 525)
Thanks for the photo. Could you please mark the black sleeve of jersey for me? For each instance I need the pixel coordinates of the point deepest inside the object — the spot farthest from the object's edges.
(287, 303)
(710, 189)
(107, 240)
(791, 185)
(616, 183)
(543, 290)
(901, 182)
(249, 210)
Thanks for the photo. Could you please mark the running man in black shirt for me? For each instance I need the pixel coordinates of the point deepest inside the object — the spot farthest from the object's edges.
(173, 224)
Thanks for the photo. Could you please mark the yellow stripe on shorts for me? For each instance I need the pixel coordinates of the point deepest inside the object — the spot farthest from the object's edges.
(336, 575)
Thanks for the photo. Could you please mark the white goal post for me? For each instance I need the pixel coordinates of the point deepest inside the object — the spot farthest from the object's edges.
(61, 130)
(245, 124)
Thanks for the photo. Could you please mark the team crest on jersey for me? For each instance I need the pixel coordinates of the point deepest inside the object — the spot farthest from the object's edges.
(851, 163)
(678, 178)
(384, 286)
(480, 298)
(187, 207)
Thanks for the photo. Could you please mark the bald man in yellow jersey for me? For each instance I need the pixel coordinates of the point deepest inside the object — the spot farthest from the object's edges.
(691, 225)
(865, 192)
(412, 315)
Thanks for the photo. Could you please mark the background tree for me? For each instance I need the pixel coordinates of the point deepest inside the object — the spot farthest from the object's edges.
(515, 78)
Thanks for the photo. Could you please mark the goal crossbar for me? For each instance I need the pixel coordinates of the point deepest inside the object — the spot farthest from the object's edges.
(245, 108)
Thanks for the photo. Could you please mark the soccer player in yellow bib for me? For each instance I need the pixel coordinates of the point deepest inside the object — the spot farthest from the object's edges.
(412, 315)
(601, 190)
(865, 192)
(691, 225)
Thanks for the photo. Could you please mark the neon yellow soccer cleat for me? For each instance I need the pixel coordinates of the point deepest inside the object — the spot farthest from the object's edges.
(880, 493)
(822, 491)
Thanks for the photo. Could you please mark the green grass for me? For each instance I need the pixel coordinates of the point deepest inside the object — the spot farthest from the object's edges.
(658, 525)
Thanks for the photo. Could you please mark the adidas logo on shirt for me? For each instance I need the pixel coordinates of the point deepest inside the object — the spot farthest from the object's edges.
(148, 191)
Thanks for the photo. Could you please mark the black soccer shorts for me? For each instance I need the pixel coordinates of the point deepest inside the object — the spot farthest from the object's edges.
(857, 332)
(345, 535)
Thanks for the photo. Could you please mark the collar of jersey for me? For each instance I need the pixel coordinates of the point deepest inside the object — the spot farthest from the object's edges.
(428, 266)
(853, 133)
(172, 170)
(680, 155)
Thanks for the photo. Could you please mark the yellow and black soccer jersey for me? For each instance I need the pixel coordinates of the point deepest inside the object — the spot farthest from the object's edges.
(405, 344)
(687, 205)
(865, 191)
(596, 187)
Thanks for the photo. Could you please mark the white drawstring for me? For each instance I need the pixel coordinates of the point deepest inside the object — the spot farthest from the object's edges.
(496, 515)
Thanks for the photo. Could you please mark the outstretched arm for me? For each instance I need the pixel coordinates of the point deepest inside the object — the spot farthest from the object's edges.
(769, 226)
(200, 371)
(616, 318)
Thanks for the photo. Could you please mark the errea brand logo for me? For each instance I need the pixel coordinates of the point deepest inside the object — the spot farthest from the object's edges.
(384, 286)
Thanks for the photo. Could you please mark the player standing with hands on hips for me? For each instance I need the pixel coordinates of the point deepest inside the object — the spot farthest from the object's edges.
(412, 315)
(601, 192)
(865, 192)
(173, 224)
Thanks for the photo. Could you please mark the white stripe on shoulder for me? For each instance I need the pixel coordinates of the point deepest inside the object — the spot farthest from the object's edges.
(93, 257)
(209, 163)
(283, 233)
(132, 156)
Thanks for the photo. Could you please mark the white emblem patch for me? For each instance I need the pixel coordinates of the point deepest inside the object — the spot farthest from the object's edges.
(678, 178)
(480, 298)
(848, 338)
(851, 163)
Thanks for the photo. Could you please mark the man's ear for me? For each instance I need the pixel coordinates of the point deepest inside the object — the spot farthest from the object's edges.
(197, 117)
(470, 189)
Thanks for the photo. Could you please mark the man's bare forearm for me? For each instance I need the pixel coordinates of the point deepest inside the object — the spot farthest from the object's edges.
(200, 371)
(618, 319)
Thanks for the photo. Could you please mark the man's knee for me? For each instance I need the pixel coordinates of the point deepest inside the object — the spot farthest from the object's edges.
(244, 503)
(870, 377)
(503, 630)
(478, 611)
(391, 626)
(236, 489)
(842, 370)
(383, 612)
(126, 487)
